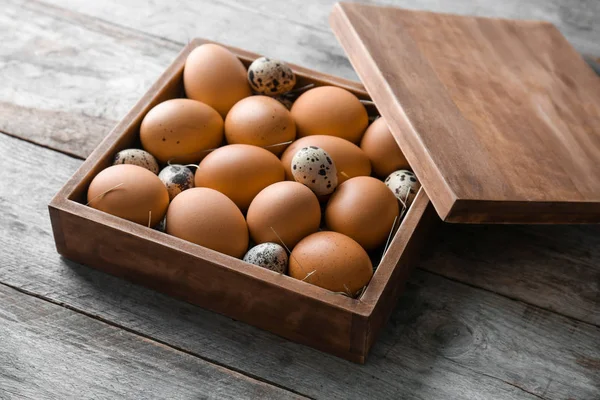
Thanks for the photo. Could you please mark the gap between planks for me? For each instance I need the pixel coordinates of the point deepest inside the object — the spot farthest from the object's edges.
(237, 370)
(152, 339)
(513, 298)
(500, 380)
(45, 146)
(74, 17)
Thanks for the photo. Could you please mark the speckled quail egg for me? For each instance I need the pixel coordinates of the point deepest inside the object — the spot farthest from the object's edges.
(270, 77)
(137, 157)
(404, 185)
(313, 167)
(176, 178)
(268, 255)
(162, 225)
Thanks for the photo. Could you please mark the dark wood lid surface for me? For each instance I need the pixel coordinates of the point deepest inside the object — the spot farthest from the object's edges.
(500, 119)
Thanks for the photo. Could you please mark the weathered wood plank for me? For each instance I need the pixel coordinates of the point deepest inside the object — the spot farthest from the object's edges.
(192, 328)
(69, 77)
(577, 19)
(446, 340)
(51, 352)
(286, 22)
(554, 267)
(69, 127)
(66, 81)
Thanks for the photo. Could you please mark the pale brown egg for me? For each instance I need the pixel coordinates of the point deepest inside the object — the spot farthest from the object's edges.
(260, 121)
(364, 209)
(332, 261)
(215, 76)
(180, 131)
(330, 110)
(284, 211)
(240, 171)
(208, 218)
(349, 159)
(130, 192)
(382, 149)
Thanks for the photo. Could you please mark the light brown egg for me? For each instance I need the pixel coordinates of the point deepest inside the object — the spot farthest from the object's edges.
(180, 131)
(349, 159)
(208, 218)
(332, 261)
(290, 208)
(215, 76)
(364, 209)
(260, 121)
(381, 148)
(240, 171)
(130, 192)
(329, 110)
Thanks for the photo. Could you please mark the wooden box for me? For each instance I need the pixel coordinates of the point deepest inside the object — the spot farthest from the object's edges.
(498, 119)
(278, 303)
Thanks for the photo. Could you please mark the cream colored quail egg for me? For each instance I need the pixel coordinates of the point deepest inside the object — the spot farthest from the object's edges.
(176, 178)
(137, 157)
(270, 77)
(313, 167)
(268, 255)
(404, 185)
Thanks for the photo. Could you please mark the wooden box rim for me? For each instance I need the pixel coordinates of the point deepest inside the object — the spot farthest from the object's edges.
(362, 308)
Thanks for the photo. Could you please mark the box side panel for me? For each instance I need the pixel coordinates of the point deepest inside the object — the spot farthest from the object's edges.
(59, 238)
(407, 258)
(210, 285)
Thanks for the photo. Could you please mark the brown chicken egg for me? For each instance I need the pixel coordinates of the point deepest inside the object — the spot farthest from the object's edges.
(215, 76)
(240, 171)
(330, 110)
(130, 192)
(260, 121)
(332, 261)
(180, 131)
(381, 148)
(208, 218)
(284, 211)
(364, 209)
(349, 159)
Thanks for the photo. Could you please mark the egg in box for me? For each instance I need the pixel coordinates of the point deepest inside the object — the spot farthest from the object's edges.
(330, 110)
(130, 192)
(216, 77)
(225, 153)
(239, 171)
(260, 121)
(181, 131)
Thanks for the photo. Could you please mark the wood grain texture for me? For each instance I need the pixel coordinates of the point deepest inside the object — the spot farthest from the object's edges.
(50, 352)
(327, 321)
(67, 35)
(25, 224)
(498, 118)
(69, 77)
(575, 19)
(554, 267)
(420, 354)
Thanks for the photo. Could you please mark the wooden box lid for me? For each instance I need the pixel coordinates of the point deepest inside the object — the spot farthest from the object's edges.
(500, 119)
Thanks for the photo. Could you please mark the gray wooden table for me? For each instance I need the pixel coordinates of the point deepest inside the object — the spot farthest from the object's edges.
(492, 312)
